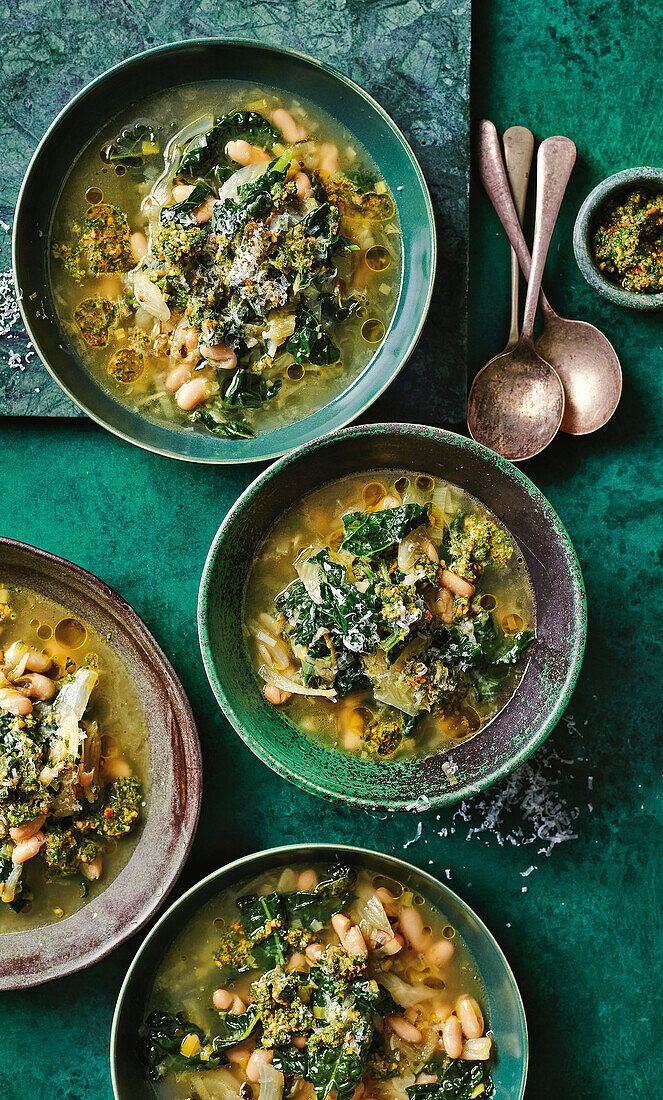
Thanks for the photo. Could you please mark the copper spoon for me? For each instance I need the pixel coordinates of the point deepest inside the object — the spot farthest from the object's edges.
(516, 402)
(518, 150)
(583, 357)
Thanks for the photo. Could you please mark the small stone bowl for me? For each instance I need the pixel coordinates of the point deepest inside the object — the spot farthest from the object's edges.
(616, 186)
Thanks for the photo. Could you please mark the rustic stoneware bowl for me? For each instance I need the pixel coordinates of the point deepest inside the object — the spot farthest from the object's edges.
(179, 64)
(615, 187)
(506, 1015)
(546, 685)
(127, 903)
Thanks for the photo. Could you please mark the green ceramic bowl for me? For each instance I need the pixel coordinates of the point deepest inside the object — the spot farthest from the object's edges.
(546, 685)
(167, 67)
(506, 1015)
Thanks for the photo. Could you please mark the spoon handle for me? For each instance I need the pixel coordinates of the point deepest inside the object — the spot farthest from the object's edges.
(518, 150)
(554, 164)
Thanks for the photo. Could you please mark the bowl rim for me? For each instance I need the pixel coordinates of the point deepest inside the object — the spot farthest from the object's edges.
(232, 41)
(451, 795)
(187, 726)
(291, 851)
(602, 193)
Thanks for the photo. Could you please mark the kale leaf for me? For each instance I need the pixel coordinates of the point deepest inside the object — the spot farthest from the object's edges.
(305, 617)
(456, 1080)
(352, 612)
(344, 612)
(363, 181)
(310, 343)
(258, 913)
(160, 1040)
(338, 308)
(233, 1028)
(254, 200)
(338, 1065)
(249, 390)
(369, 533)
(291, 1061)
(223, 426)
(207, 151)
(483, 652)
(182, 211)
(315, 908)
(322, 224)
(127, 148)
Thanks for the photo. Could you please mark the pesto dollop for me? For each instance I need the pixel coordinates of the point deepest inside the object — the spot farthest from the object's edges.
(628, 244)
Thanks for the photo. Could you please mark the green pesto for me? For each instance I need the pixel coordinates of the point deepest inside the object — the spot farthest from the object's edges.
(101, 245)
(95, 317)
(628, 244)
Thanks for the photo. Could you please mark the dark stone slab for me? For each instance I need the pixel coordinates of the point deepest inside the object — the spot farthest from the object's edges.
(413, 57)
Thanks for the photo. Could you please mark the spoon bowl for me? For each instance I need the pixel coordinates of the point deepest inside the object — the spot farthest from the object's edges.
(516, 403)
(588, 367)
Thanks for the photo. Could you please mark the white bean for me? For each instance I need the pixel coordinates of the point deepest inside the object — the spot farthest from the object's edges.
(222, 999)
(452, 1037)
(177, 376)
(406, 1031)
(413, 929)
(275, 695)
(458, 585)
(288, 126)
(476, 1050)
(181, 191)
(440, 953)
(355, 944)
(255, 1061)
(307, 880)
(193, 393)
(244, 153)
(341, 925)
(220, 354)
(138, 242)
(470, 1016)
(27, 849)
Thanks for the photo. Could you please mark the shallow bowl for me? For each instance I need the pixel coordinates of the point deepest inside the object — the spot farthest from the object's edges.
(38, 955)
(506, 1015)
(542, 693)
(167, 67)
(614, 187)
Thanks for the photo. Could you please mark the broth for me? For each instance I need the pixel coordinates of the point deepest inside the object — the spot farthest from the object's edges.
(368, 929)
(276, 322)
(411, 667)
(114, 748)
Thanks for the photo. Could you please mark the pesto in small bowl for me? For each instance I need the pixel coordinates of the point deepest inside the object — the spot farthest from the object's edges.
(618, 238)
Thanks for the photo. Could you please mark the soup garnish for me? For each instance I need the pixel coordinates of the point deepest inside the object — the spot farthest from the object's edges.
(258, 252)
(389, 614)
(67, 795)
(330, 982)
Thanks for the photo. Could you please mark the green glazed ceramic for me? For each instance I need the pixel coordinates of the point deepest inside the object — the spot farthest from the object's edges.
(546, 685)
(178, 64)
(39, 954)
(506, 1015)
(615, 187)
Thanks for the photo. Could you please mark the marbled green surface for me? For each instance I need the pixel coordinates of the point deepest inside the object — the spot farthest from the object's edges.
(413, 57)
(582, 928)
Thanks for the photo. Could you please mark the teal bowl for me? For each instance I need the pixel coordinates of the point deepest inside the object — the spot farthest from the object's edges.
(547, 682)
(506, 1014)
(171, 66)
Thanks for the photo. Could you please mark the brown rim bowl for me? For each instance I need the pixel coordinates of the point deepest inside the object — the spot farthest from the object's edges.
(51, 951)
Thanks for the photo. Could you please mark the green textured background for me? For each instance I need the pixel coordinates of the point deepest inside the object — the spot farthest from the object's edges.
(582, 929)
